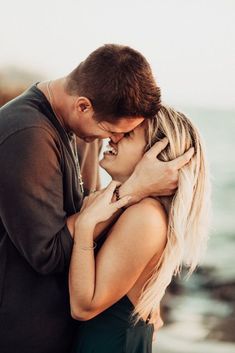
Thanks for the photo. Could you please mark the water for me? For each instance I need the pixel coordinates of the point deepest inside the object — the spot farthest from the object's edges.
(203, 315)
(201, 318)
(218, 131)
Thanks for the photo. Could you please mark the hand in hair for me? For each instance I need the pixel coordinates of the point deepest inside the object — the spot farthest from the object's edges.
(153, 177)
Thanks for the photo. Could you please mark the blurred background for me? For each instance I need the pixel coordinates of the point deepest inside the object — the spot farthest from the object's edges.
(190, 45)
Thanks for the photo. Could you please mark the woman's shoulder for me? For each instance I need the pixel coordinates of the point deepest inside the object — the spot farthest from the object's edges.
(148, 210)
(152, 205)
(147, 218)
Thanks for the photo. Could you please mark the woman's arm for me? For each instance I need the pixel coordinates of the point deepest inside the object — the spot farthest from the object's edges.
(96, 284)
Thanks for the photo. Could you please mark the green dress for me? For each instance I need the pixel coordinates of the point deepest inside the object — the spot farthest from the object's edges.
(113, 331)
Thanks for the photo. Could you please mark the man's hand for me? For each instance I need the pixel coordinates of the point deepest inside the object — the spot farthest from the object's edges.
(153, 177)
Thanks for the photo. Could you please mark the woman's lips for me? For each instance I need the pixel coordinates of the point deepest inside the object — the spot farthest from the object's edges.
(111, 150)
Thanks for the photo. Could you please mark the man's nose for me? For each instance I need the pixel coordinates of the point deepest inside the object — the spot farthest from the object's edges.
(116, 138)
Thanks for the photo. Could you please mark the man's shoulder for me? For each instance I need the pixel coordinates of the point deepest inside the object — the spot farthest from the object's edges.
(22, 113)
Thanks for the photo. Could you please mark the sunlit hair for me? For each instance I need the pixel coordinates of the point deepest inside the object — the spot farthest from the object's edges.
(188, 210)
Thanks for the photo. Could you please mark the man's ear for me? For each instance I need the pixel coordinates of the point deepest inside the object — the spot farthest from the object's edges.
(83, 104)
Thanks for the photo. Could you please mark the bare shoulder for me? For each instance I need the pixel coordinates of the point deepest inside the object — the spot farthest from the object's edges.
(154, 208)
(147, 211)
(146, 221)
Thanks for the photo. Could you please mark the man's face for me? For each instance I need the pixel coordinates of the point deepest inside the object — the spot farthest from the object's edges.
(89, 129)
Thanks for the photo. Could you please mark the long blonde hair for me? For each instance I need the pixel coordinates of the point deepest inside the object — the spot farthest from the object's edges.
(188, 209)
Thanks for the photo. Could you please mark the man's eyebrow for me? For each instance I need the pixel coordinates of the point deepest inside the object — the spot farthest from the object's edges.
(115, 132)
(111, 132)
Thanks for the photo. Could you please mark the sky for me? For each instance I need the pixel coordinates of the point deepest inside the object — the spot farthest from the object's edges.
(190, 44)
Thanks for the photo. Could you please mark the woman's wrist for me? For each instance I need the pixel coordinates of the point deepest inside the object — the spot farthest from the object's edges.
(84, 224)
(84, 233)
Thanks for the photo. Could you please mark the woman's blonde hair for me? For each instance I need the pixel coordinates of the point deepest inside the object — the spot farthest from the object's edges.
(188, 209)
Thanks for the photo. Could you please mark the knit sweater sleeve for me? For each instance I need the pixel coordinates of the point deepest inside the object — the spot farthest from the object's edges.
(31, 199)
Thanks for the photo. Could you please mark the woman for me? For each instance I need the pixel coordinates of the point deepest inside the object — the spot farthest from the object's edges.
(116, 293)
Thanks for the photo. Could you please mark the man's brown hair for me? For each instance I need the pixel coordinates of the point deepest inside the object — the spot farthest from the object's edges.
(118, 81)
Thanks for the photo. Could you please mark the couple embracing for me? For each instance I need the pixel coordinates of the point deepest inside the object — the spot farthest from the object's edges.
(83, 270)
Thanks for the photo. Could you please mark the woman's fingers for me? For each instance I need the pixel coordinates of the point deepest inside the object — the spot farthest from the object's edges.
(122, 202)
(109, 192)
(84, 203)
(113, 184)
(111, 188)
(101, 207)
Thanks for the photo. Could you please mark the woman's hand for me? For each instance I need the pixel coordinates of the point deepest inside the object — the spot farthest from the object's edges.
(90, 198)
(98, 206)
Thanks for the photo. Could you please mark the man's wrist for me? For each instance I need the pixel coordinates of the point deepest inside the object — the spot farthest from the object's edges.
(131, 187)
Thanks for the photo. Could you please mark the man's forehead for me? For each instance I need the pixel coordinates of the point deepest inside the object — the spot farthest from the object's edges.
(122, 125)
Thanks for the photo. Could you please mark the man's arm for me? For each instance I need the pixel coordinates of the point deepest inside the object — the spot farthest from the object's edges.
(31, 202)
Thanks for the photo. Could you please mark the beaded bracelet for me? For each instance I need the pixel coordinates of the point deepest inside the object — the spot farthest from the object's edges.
(117, 195)
(116, 192)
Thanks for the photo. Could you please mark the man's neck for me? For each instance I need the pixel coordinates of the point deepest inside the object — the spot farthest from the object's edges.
(56, 96)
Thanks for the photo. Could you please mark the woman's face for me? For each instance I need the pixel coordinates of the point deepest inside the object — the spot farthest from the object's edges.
(120, 159)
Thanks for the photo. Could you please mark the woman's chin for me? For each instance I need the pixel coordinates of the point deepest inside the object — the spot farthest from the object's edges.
(108, 166)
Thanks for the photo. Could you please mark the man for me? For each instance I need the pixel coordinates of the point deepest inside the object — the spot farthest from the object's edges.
(41, 186)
